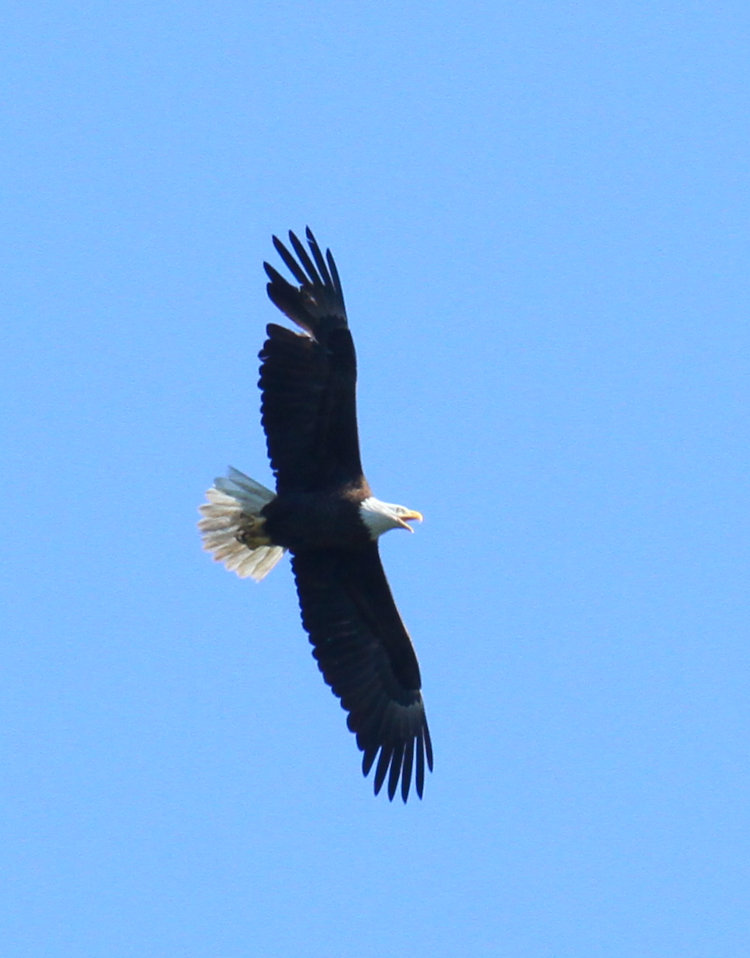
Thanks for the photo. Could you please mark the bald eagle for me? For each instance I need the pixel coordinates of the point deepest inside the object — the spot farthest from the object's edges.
(325, 515)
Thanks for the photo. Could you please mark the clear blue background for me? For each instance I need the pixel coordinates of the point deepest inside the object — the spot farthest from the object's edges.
(540, 214)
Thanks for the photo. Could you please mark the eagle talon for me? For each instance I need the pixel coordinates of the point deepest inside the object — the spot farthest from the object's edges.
(253, 534)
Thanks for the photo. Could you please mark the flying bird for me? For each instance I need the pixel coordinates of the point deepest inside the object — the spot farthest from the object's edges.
(324, 513)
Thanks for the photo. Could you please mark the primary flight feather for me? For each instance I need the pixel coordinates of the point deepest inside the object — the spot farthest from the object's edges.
(325, 515)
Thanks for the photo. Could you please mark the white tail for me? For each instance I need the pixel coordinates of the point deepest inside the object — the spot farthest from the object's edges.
(233, 502)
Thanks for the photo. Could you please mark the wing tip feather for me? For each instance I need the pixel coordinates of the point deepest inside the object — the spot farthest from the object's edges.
(399, 762)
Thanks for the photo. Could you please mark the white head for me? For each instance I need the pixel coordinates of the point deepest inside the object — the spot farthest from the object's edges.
(379, 516)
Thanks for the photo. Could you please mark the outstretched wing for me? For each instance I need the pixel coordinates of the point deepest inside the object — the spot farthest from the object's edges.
(308, 379)
(366, 656)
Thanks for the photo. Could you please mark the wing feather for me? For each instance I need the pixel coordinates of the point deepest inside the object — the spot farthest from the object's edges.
(318, 257)
(290, 261)
(406, 772)
(366, 656)
(308, 381)
(313, 279)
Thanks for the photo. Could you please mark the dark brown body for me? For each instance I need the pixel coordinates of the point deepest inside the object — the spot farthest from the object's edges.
(301, 521)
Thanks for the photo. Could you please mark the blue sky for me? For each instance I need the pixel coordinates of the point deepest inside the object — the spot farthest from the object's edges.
(540, 216)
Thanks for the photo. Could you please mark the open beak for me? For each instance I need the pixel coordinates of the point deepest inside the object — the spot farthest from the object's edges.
(410, 516)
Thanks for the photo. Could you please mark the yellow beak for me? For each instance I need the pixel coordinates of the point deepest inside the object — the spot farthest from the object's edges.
(410, 516)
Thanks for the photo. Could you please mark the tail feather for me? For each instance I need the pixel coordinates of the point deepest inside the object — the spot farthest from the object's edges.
(232, 501)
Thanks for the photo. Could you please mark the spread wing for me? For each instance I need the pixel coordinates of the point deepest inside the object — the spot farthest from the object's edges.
(366, 656)
(308, 379)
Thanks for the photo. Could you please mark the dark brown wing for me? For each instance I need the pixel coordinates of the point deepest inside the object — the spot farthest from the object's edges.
(366, 656)
(308, 380)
